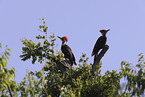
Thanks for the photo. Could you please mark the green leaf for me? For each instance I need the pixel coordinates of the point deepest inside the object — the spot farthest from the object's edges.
(40, 27)
(0, 46)
(38, 74)
(80, 60)
(9, 49)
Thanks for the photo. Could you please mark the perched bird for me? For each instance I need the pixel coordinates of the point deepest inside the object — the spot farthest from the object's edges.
(100, 42)
(66, 50)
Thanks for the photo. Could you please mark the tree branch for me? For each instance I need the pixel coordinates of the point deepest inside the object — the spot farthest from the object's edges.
(10, 91)
(98, 57)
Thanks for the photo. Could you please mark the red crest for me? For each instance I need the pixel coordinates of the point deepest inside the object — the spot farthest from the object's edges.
(65, 38)
(101, 30)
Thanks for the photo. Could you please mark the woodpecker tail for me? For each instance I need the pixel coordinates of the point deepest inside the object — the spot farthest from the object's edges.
(92, 54)
(75, 63)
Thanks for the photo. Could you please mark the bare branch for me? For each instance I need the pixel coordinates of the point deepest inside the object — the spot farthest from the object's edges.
(98, 57)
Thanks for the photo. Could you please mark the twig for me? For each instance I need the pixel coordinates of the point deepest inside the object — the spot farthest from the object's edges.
(45, 91)
(9, 88)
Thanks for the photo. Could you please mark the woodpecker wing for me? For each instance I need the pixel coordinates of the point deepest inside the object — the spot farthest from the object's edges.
(66, 50)
(99, 44)
(74, 60)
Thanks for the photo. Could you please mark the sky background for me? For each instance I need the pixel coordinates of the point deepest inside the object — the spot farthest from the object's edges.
(80, 21)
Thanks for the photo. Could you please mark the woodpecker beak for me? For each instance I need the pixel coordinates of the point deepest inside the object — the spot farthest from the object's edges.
(108, 30)
(59, 37)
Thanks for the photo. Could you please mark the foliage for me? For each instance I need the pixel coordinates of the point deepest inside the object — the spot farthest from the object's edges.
(7, 84)
(58, 78)
(135, 78)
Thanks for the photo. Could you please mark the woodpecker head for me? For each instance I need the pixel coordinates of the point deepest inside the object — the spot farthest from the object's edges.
(104, 31)
(64, 39)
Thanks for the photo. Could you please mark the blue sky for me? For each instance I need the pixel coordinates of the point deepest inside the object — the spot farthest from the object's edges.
(80, 21)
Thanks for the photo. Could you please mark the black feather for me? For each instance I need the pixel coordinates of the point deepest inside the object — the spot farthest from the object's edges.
(66, 50)
(99, 45)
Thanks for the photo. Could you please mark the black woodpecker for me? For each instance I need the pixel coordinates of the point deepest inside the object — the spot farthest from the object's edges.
(66, 50)
(100, 42)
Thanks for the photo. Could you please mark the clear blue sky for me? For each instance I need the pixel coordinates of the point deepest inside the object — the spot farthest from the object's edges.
(80, 21)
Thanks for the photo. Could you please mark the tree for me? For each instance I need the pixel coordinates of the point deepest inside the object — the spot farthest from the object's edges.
(57, 78)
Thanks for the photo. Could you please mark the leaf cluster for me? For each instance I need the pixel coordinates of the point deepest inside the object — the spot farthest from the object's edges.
(7, 84)
(135, 76)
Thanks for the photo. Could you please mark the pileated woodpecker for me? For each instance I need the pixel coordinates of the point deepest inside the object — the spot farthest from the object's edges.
(66, 50)
(100, 42)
